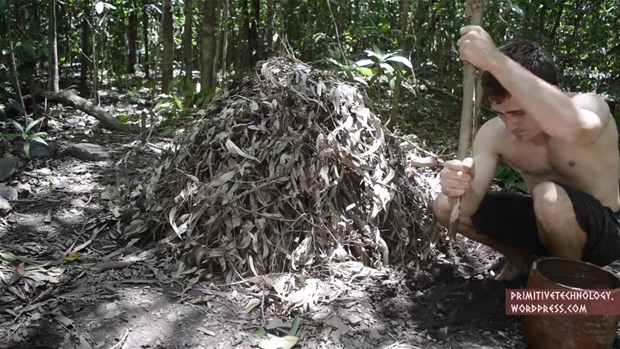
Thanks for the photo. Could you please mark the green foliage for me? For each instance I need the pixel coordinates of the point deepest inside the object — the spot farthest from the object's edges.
(377, 70)
(386, 66)
(364, 41)
(26, 134)
(203, 98)
(508, 178)
(169, 105)
(295, 328)
(122, 118)
(261, 332)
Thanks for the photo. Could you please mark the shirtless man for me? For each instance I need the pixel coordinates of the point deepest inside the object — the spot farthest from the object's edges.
(564, 146)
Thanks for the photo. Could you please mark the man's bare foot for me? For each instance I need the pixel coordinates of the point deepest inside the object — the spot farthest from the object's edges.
(512, 269)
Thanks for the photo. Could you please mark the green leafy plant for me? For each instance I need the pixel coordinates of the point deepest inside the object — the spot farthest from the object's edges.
(376, 69)
(508, 178)
(26, 134)
(169, 105)
(384, 64)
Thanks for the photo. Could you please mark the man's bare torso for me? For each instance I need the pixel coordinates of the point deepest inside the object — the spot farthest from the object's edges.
(593, 168)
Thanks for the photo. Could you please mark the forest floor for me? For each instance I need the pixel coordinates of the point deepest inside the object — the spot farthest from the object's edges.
(113, 295)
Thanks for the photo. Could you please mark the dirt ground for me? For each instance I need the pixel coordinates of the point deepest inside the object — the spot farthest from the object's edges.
(116, 295)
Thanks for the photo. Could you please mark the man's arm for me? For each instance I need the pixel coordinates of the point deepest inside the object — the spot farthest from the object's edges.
(486, 159)
(577, 120)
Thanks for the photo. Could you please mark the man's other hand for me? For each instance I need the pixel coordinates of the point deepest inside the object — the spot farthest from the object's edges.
(456, 177)
(477, 47)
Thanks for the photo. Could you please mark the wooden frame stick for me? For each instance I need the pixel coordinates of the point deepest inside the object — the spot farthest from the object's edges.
(473, 11)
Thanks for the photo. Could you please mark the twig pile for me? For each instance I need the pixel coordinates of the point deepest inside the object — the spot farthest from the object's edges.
(288, 169)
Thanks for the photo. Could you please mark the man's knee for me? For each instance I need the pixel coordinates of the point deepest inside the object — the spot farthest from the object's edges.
(441, 209)
(551, 205)
(556, 217)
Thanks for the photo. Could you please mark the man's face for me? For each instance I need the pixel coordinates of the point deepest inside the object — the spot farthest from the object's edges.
(517, 120)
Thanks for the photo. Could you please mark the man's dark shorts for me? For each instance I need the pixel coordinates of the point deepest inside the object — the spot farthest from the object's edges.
(509, 217)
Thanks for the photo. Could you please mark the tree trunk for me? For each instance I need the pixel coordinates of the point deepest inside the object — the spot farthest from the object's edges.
(85, 54)
(269, 25)
(421, 11)
(429, 34)
(250, 17)
(245, 25)
(37, 27)
(17, 12)
(122, 40)
(225, 16)
(207, 46)
(64, 33)
(254, 43)
(542, 19)
(218, 45)
(403, 27)
(145, 37)
(291, 21)
(188, 62)
(15, 73)
(95, 91)
(132, 36)
(556, 24)
(405, 9)
(54, 78)
(167, 54)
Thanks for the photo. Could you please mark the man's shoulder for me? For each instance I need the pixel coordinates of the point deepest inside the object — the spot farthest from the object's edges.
(591, 101)
(493, 130)
(492, 135)
(597, 112)
(585, 95)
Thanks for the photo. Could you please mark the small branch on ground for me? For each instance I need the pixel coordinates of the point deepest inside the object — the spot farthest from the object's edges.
(262, 308)
(71, 98)
(121, 341)
(430, 161)
(14, 70)
(101, 267)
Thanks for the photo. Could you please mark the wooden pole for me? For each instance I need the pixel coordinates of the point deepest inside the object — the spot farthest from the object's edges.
(473, 12)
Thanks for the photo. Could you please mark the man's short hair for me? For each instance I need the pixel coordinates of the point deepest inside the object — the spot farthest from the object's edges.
(532, 57)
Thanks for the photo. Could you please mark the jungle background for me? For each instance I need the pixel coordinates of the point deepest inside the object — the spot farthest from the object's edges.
(133, 75)
(402, 52)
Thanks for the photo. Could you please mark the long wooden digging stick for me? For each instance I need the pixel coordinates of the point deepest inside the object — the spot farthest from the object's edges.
(473, 11)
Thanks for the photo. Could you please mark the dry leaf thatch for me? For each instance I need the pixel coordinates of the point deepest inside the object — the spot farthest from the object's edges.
(286, 169)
